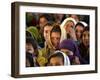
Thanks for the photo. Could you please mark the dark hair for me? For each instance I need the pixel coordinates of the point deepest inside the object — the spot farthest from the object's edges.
(49, 24)
(80, 24)
(48, 17)
(56, 28)
(30, 59)
(85, 29)
(34, 44)
(28, 34)
(74, 14)
(58, 54)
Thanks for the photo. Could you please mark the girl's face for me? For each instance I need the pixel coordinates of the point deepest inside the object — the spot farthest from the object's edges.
(29, 48)
(79, 30)
(56, 61)
(85, 38)
(69, 25)
(47, 30)
(55, 39)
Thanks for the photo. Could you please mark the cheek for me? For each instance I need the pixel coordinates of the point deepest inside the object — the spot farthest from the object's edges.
(78, 34)
(44, 34)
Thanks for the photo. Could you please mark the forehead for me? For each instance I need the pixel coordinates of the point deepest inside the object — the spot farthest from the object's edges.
(65, 50)
(79, 27)
(56, 59)
(47, 27)
(54, 34)
(69, 22)
(85, 32)
(43, 18)
(28, 43)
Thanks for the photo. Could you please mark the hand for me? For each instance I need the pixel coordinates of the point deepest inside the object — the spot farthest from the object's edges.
(72, 33)
(76, 60)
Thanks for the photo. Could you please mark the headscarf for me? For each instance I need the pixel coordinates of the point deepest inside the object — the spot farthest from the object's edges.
(66, 59)
(63, 31)
(70, 45)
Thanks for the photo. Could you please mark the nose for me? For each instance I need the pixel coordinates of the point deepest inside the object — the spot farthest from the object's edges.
(86, 37)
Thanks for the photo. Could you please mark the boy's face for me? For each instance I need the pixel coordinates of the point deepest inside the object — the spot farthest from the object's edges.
(47, 30)
(79, 30)
(29, 48)
(85, 38)
(55, 39)
(56, 61)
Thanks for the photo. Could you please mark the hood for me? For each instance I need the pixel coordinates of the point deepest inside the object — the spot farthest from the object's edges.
(63, 31)
(56, 28)
(35, 34)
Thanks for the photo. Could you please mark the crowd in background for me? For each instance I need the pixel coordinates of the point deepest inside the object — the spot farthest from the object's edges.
(57, 39)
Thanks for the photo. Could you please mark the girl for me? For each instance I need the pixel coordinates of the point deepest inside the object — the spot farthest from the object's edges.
(31, 52)
(79, 27)
(58, 58)
(84, 46)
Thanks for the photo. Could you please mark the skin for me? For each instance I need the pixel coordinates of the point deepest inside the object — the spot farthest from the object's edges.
(67, 52)
(55, 39)
(70, 53)
(56, 61)
(47, 30)
(70, 30)
(42, 22)
(75, 17)
(29, 48)
(68, 25)
(79, 30)
(85, 38)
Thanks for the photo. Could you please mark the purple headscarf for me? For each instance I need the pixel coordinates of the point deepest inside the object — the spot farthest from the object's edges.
(70, 45)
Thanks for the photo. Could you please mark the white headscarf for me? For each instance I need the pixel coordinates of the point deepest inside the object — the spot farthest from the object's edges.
(63, 31)
(66, 58)
(84, 23)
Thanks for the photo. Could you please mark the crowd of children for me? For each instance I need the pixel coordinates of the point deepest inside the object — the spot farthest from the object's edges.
(57, 39)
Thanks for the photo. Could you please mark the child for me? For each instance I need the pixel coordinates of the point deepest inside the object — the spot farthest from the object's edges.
(31, 52)
(58, 58)
(70, 48)
(84, 46)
